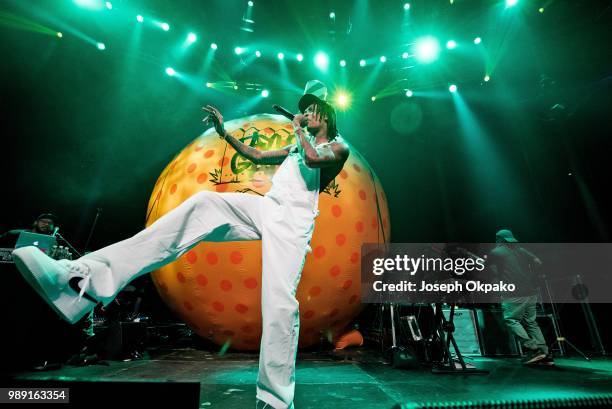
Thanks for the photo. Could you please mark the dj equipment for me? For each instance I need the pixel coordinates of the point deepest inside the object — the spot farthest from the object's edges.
(44, 242)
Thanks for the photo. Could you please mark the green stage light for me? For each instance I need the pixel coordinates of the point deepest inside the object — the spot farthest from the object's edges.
(450, 44)
(342, 100)
(373, 99)
(300, 57)
(250, 3)
(170, 71)
(405, 55)
(541, 9)
(487, 78)
(213, 46)
(452, 88)
(409, 93)
(332, 15)
(383, 58)
(257, 53)
(265, 93)
(477, 40)
(235, 86)
(362, 63)
(209, 85)
(510, 3)
(321, 61)
(139, 18)
(109, 5)
(59, 34)
(427, 49)
(165, 26)
(90, 4)
(342, 63)
(238, 50)
(406, 6)
(280, 56)
(101, 46)
(191, 38)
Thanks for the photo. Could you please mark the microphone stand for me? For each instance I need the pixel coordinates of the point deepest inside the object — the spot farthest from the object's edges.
(93, 226)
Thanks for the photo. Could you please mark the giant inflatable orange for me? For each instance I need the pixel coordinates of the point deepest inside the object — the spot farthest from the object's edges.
(215, 287)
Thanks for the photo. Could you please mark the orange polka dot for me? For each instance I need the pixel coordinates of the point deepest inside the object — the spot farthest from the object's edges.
(354, 257)
(347, 284)
(247, 329)
(314, 291)
(218, 306)
(336, 210)
(359, 227)
(236, 257)
(353, 299)
(319, 251)
(191, 168)
(188, 306)
(340, 239)
(362, 194)
(223, 161)
(202, 178)
(241, 308)
(343, 174)
(225, 285)
(250, 283)
(334, 312)
(222, 187)
(356, 167)
(173, 189)
(212, 258)
(201, 280)
(374, 223)
(335, 271)
(180, 277)
(309, 314)
(208, 153)
(191, 257)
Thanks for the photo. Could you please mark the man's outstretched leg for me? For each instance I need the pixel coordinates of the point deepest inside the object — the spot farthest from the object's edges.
(73, 288)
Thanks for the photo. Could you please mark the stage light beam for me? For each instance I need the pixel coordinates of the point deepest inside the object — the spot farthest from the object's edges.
(450, 44)
(362, 63)
(383, 58)
(238, 50)
(170, 72)
(406, 6)
(321, 61)
(343, 63)
(477, 40)
(192, 38)
(257, 53)
(452, 88)
(213, 46)
(300, 57)
(265, 93)
(280, 56)
(427, 49)
(409, 93)
(109, 5)
(139, 18)
(101, 46)
(165, 26)
(511, 3)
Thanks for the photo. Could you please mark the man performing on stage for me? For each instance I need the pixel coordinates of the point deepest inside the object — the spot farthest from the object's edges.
(283, 219)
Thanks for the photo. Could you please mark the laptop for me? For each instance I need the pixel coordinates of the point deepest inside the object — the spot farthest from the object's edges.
(44, 242)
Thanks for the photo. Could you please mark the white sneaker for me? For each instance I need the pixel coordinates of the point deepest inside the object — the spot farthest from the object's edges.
(57, 282)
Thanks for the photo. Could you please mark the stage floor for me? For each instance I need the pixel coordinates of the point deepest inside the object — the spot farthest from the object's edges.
(359, 378)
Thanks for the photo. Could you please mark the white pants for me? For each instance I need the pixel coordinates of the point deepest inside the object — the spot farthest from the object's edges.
(285, 228)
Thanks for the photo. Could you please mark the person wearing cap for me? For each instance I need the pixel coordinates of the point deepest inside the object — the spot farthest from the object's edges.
(283, 220)
(43, 224)
(514, 263)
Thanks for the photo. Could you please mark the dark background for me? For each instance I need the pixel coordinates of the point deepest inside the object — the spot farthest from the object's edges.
(84, 129)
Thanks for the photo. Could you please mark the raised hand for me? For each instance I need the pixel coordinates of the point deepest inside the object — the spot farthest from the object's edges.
(214, 117)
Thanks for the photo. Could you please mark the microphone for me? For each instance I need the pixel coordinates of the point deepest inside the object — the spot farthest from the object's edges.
(283, 111)
(55, 232)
